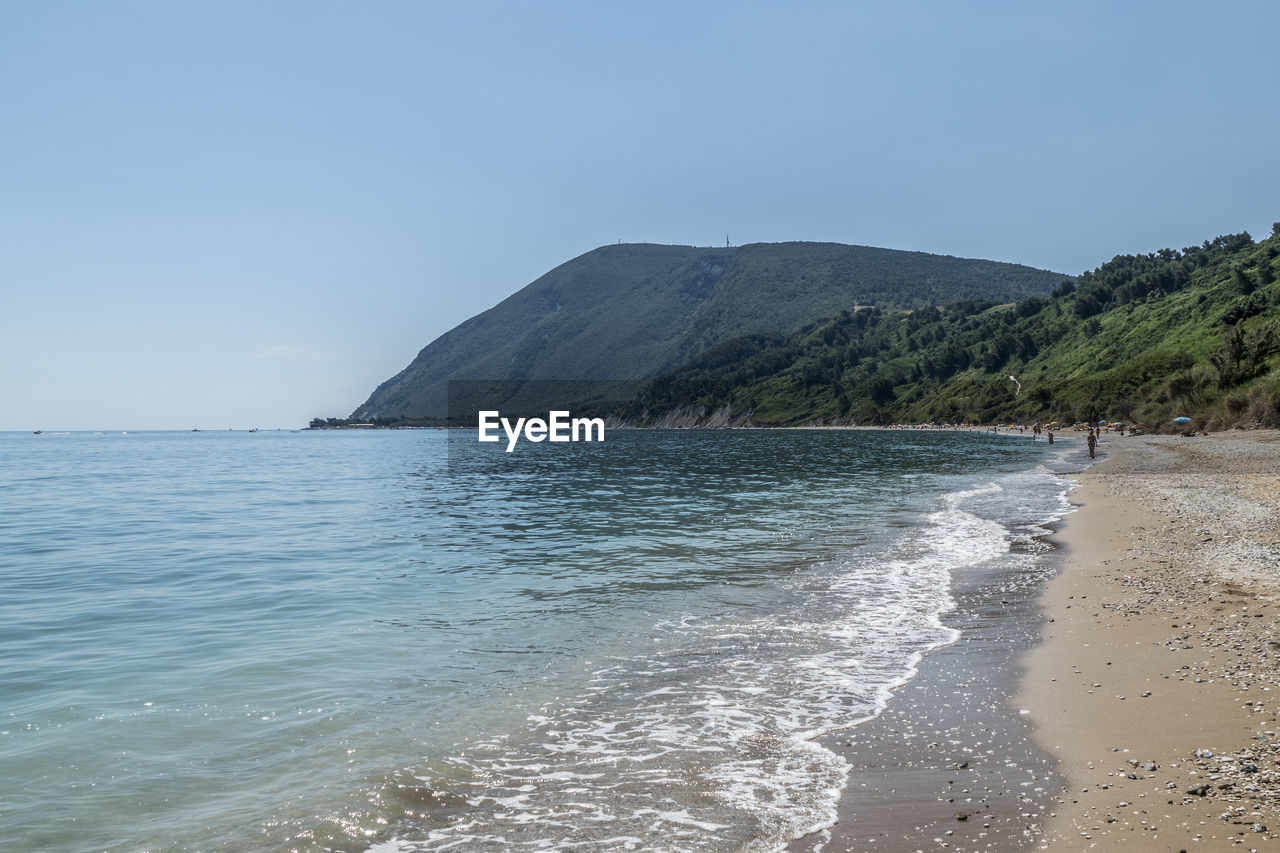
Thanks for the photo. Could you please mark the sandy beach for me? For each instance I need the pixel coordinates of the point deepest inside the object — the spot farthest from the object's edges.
(1128, 701)
(1156, 687)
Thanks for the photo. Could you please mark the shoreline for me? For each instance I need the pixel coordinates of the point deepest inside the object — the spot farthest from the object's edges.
(951, 763)
(1126, 697)
(1156, 683)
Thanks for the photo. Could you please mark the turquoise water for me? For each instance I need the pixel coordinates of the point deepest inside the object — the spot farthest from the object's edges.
(356, 640)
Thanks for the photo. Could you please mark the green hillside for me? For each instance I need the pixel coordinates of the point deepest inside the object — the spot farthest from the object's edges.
(1141, 338)
(630, 312)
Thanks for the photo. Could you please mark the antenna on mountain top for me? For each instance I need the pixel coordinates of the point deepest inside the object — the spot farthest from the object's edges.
(726, 241)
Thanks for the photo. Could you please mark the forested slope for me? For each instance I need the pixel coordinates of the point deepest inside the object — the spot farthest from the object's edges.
(630, 312)
(1144, 338)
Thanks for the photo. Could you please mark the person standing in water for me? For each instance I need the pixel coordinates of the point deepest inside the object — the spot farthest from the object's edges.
(1093, 443)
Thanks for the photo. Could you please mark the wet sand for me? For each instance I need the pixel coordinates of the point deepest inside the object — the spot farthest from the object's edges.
(950, 761)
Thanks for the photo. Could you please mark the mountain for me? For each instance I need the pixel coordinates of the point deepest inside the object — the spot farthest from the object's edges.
(1144, 338)
(625, 313)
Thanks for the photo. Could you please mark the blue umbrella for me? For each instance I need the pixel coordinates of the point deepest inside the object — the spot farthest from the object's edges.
(1182, 420)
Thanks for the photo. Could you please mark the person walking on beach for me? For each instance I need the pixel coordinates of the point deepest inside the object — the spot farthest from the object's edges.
(1093, 443)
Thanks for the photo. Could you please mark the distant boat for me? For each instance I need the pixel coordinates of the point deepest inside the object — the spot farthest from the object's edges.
(39, 431)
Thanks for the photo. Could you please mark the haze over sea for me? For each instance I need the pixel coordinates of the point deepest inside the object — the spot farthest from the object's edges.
(370, 639)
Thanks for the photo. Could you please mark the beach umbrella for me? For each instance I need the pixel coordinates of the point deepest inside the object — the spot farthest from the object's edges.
(1182, 420)
(1103, 423)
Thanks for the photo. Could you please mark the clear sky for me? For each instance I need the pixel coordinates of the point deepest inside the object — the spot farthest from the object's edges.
(246, 214)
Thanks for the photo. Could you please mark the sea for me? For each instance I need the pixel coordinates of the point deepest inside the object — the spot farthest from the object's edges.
(406, 640)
